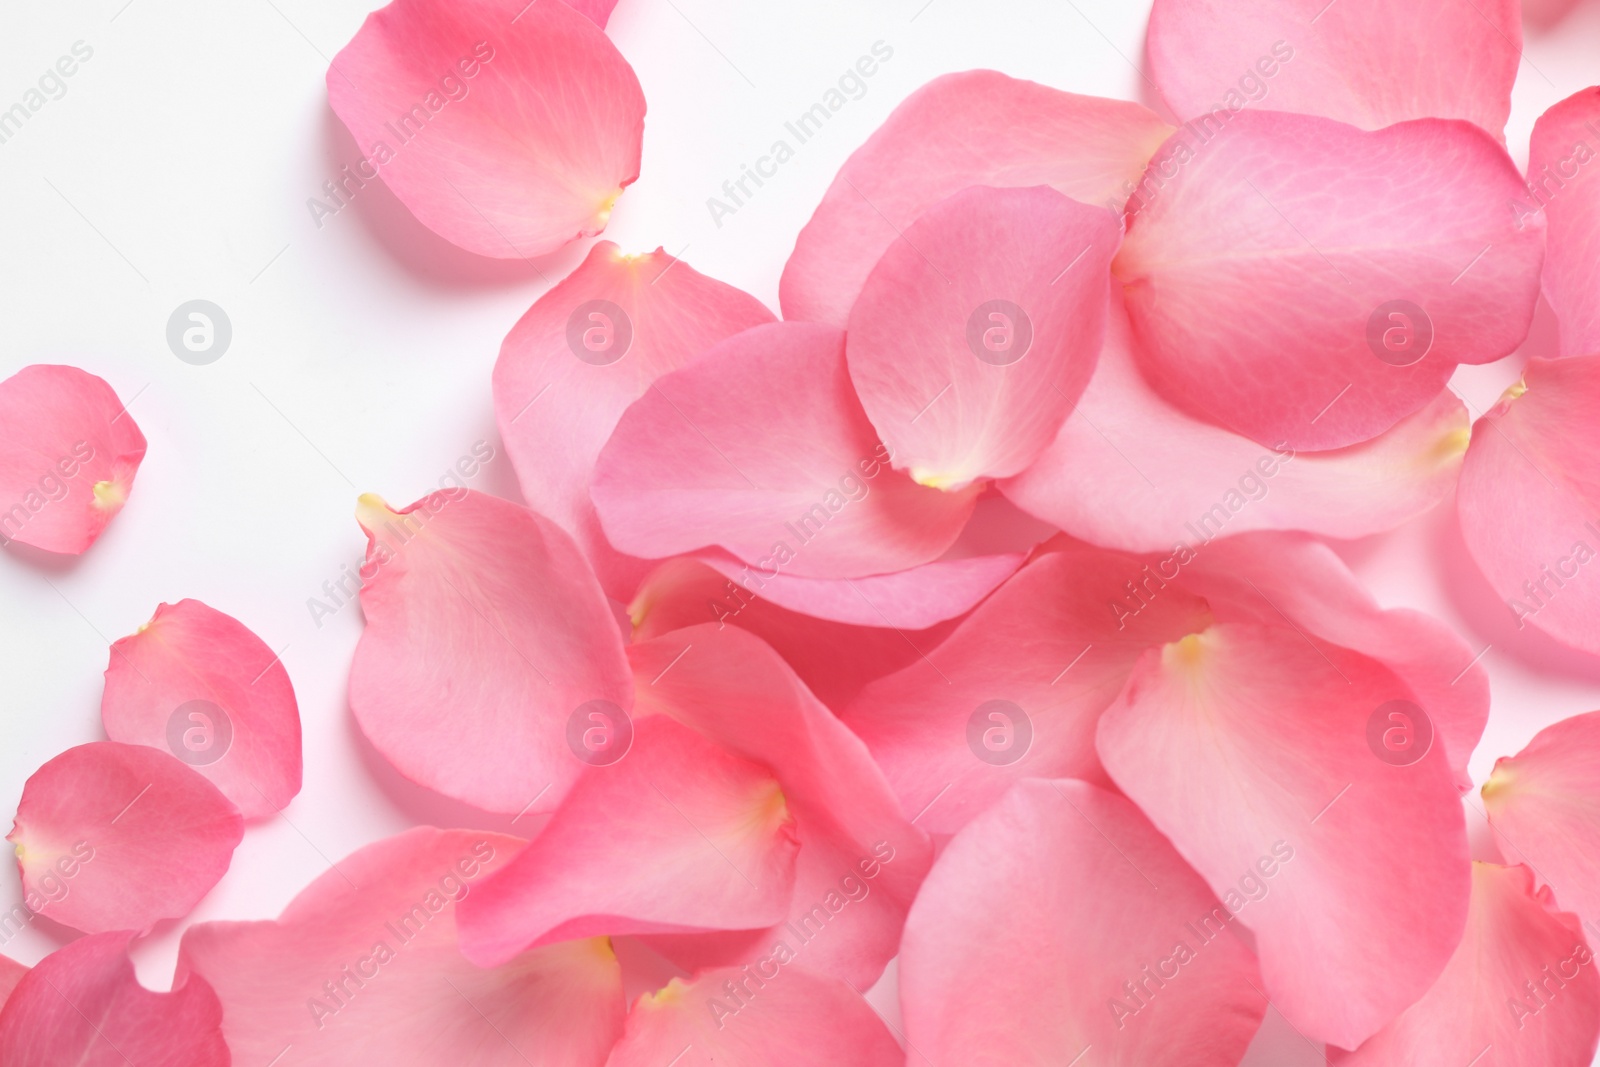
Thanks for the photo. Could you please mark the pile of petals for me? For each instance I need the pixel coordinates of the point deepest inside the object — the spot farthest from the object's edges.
(973, 613)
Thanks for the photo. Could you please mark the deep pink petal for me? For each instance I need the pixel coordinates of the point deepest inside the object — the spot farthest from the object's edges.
(506, 127)
(84, 1007)
(486, 634)
(598, 10)
(362, 967)
(1059, 921)
(586, 350)
(1129, 470)
(735, 1017)
(1017, 689)
(197, 683)
(1520, 990)
(1528, 495)
(1544, 805)
(979, 328)
(11, 973)
(1358, 63)
(761, 448)
(979, 127)
(672, 835)
(68, 455)
(119, 837)
(1561, 179)
(860, 859)
(1245, 741)
(1264, 270)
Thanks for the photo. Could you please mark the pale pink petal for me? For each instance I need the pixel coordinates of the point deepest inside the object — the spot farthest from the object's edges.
(764, 1014)
(362, 967)
(1359, 63)
(667, 835)
(1017, 689)
(1561, 180)
(68, 455)
(978, 329)
(586, 350)
(486, 635)
(84, 1007)
(1528, 495)
(1544, 804)
(912, 599)
(1060, 921)
(197, 683)
(860, 859)
(834, 659)
(761, 448)
(1520, 990)
(119, 837)
(1129, 470)
(1244, 742)
(979, 127)
(1309, 284)
(506, 127)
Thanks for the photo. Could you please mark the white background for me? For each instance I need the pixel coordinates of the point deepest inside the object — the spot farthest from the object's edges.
(178, 166)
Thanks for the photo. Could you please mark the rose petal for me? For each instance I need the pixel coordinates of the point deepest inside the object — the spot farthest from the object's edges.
(736, 1017)
(11, 973)
(674, 835)
(67, 459)
(594, 344)
(979, 127)
(84, 1006)
(1060, 920)
(761, 448)
(1521, 983)
(979, 328)
(1561, 180)
(1131, 471)
(197, 683)
(507, 128)
(486, 634)
(1280, 273)
(1355, 63)
(1245, 741)
(134, 835)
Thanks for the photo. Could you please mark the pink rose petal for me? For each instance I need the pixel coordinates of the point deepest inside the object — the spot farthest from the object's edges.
(1561, 177)
(506, 127)
(119, 837)
(11, 973)
(67, 458)
(197, 683)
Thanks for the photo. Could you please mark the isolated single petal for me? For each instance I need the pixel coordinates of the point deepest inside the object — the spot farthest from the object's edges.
(118, 837)
(586, 350)
(978, 127)
(671, 835)
(1544, 805)
(762, 448)
(84, 1006)
(1520, 990)
(507, 128)
(197, 683)
(1245, 742)
(1016, 690)
(486, 633)
(362, 967)
(1528, 499)
(860, 860)
(1309, 284)
(1358, 63)
(1131, 471)
(1561, 180)
(754, 1017)
(978, 329)
(1060, 920)
(68, 455)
